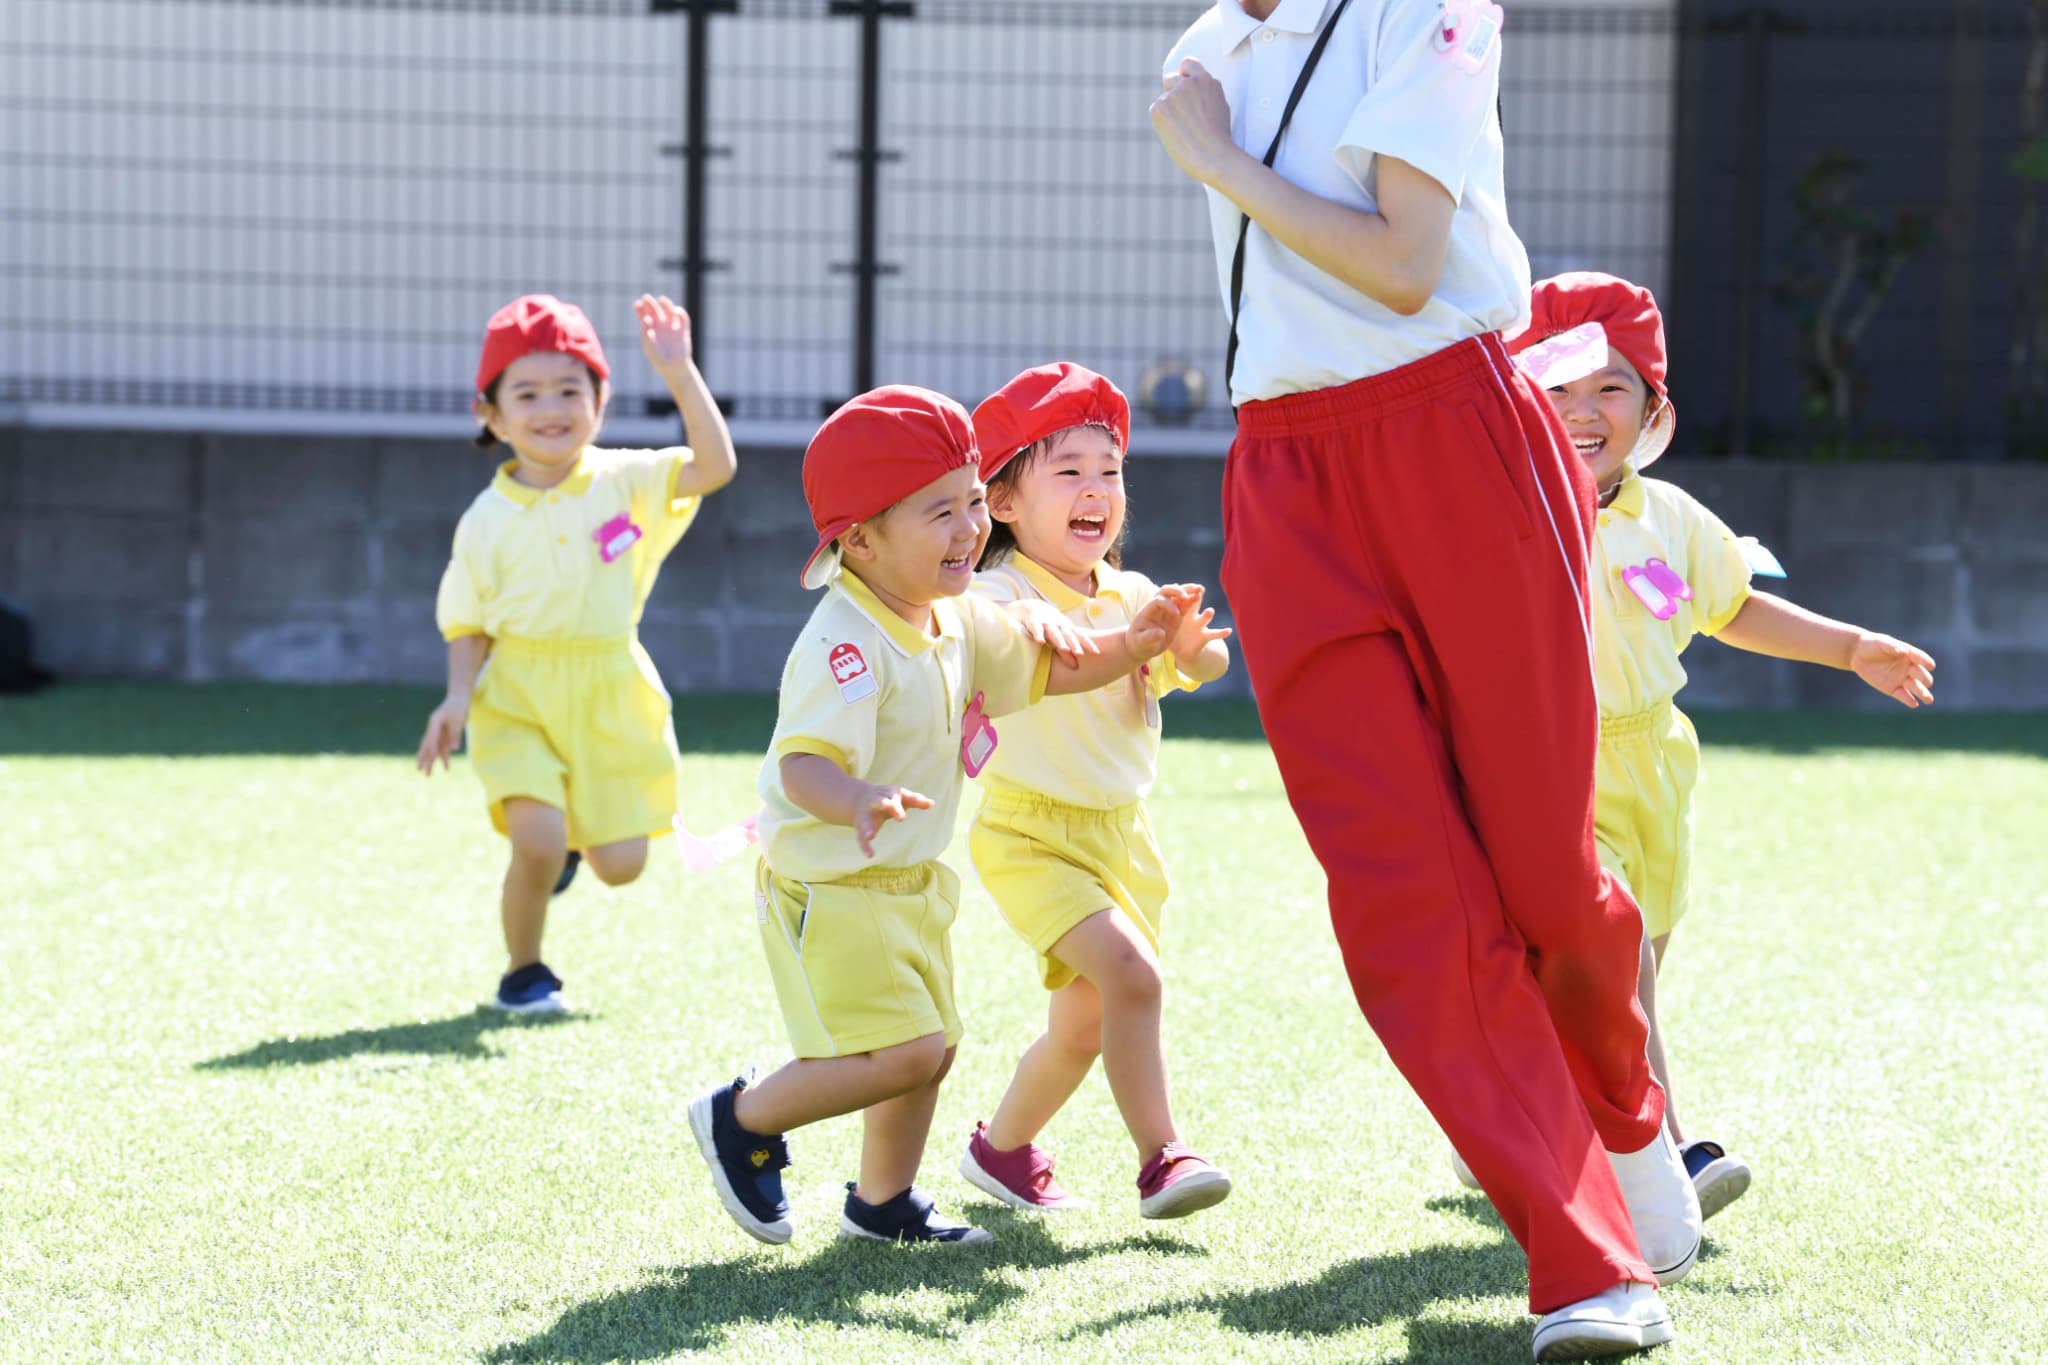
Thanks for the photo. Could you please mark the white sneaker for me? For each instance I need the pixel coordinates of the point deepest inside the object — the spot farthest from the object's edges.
(1719, 1177)
(1615, 1322)
(1663, 1206)
(1462, 1171)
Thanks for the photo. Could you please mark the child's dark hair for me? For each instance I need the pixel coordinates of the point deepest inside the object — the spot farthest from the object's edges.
(1002, 540)
(484, 437)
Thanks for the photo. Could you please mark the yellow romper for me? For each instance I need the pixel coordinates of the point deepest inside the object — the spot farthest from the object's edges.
(1649, 757)
(569, 710)
(1062, 832)
(861, 948)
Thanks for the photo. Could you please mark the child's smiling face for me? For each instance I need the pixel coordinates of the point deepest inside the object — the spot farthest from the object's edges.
(1604, 414)
(1066, 505)
(547, 408)
(924, 547)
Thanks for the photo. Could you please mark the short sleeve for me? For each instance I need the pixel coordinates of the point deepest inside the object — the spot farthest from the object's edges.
(831, 694)
(1421, 104)
(998, 586)
(1007, 666)
(459, 606)
(651, 478)
(1715, 568)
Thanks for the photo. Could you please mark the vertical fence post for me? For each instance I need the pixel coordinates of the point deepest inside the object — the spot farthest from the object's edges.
(1751, 175)
(695, 150)
(867, 265)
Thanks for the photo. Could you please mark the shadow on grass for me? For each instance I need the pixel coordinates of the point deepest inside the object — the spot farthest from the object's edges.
(192, 720)
(849, 1284)
(1374, 1289)
(461, 1036)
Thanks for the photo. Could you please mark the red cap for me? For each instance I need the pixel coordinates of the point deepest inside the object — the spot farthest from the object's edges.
(1628, 314)
(1043, 401)
(874, 452)
(537, 322)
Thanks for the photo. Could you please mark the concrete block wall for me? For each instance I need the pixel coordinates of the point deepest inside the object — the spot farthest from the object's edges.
(196, 557)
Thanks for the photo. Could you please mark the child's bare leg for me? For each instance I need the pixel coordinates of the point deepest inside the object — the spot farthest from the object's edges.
(617, 863)
(892, 1141)
(1052, 1068)
(811, 1089)
(1646, 991)
(540, 843)
(1108, 950)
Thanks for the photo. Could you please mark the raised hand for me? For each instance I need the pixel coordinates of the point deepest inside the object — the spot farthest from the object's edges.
(1194, 632)
(664, 334)
(1192, 118)
(1901, 671)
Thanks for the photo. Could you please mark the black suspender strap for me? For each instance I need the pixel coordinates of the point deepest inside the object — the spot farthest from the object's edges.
(1315, 54)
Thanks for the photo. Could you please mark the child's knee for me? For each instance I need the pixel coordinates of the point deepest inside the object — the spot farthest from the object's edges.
(1131, 979)
(912, 1065)
(945, 1066)
(618, 864)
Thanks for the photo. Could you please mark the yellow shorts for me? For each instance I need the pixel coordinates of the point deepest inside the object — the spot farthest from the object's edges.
(1642, 809)
(864, 962)
(581, 725)
(1049, 865)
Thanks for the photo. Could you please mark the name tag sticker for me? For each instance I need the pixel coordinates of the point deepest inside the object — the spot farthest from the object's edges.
(1760, 560)
(977, 738)
(1466, 31)
(1566, 356)
(1658, 587)
(850, 673)
(615, 537)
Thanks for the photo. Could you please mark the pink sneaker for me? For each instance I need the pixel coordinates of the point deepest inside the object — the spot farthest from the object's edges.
(1176, 1182)
(1021, 1177)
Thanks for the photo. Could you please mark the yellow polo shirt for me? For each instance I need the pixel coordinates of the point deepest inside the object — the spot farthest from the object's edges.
(1096, 749)
(1635, 655)
(571, 562)
(865, 689)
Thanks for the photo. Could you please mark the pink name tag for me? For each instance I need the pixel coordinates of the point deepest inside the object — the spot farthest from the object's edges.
(977, 738)
(615, 537)
(1465, 30)
(1567, 356)
(1658, 587)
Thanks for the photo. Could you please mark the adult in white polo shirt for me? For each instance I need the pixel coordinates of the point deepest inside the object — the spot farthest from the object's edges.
(1406, 541)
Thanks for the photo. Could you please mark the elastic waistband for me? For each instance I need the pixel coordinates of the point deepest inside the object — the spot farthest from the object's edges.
(897, 881)
(1015, 800)
(590, 644)
(1478, 359)
(1636, 722)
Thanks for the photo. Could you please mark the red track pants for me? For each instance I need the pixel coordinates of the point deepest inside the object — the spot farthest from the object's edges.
(1406, 560)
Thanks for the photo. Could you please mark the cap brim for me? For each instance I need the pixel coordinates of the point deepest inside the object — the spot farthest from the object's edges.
(823, 563)
(1656, 438)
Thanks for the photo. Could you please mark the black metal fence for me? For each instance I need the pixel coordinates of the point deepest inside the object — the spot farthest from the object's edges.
(305, 206)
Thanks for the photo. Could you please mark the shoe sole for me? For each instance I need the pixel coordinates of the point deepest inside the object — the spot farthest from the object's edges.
(1599, 1339)
(553, 1004)
(850, 1231)
(972, 1172)
(1463, 1172)
(1720, 1184)
(774, 1234)
(1189, 1194)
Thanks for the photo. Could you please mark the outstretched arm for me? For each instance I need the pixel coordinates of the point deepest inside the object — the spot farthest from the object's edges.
(1784, 630)
(666, 340)
(820, 787)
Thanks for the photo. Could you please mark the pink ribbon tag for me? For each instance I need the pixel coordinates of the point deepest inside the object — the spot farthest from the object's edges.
(1465, 32)
(977, 738)
(701, 855)
(1658, 587)
(1567, 356)
(615, 537)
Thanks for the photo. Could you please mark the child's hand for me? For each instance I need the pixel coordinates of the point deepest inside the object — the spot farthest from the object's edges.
(1152, 630)
(1899, 670)
(1045, 625)
(444, 733)
(1193, 634)
(1192, 118)
(664, 334)
(877, 804)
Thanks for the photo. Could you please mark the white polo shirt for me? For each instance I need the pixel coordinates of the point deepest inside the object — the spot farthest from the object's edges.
(1382, 87)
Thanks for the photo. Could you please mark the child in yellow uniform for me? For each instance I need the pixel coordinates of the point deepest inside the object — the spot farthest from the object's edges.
(885, 703)
(569, 724)
(1664, 570)
(1063, 841)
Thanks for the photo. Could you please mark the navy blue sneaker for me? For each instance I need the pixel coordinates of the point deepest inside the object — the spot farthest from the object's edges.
(533, 989)
(909, 1217)
(1719, 1177)
(569, 866)
(745, 1167)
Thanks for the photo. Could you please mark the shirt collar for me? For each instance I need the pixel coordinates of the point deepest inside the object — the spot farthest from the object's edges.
(1062, 597)
(908, 639)
(1233, 25)
(1628, 499)
(526, 495)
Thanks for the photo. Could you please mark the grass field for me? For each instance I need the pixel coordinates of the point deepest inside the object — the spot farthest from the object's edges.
(252, 1113)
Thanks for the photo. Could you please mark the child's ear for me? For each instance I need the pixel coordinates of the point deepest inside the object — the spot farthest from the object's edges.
(1001, 507)
(485, 415)
(604, 395)
(856, 543)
